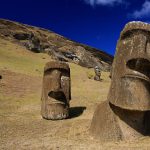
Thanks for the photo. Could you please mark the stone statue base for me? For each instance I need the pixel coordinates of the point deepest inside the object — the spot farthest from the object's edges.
(111, 123)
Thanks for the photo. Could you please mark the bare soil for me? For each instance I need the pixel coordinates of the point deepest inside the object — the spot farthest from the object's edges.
(22, 127)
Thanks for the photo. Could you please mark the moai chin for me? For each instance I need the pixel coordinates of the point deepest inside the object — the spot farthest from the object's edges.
(56, 92)
(126, 113)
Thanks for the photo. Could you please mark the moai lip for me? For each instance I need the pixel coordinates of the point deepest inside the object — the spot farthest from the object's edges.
(56, 92)
(126, 113)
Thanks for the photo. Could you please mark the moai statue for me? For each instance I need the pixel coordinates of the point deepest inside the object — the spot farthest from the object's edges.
(97, 73)
(56, 92)
(126, 113)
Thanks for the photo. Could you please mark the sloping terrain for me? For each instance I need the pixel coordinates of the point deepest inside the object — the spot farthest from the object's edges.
(21, 125)
(60, 48)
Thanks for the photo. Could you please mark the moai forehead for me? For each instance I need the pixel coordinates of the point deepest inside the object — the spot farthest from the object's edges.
(56, 65)
(130, 86)
(135, 25)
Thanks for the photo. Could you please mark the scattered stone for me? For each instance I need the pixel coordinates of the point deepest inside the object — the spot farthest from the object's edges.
(22, 36)
(126, 113)
(33, 44)
(32, 41)
(56, 91)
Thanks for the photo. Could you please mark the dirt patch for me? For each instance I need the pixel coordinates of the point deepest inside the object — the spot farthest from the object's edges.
(19, 85)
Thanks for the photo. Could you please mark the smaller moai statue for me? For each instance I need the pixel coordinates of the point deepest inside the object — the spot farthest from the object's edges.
(56, 92)
(97, 73)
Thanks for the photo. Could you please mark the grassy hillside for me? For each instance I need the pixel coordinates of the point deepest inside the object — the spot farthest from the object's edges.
(21, 126)
(41, 40)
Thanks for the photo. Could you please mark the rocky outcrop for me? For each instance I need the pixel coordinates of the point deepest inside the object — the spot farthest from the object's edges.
(60, 48)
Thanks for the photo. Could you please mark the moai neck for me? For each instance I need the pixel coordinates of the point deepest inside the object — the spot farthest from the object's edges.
(133, 124)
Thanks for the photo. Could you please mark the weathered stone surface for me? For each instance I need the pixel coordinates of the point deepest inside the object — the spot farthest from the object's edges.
(97, 73)
(22, 36)
(111, 123)
(104, 126)
(56, 92)
(126, 113)
(131, 69)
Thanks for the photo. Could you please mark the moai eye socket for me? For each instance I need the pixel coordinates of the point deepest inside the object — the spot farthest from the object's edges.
(64, 72)
(64, 76)
(127, 35)
(140, 64)
(48, 72)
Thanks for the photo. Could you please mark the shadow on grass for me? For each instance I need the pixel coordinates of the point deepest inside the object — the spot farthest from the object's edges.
(76, 111)
(99, 80)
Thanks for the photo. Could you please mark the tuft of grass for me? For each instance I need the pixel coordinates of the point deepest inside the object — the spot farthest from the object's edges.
(90, 74)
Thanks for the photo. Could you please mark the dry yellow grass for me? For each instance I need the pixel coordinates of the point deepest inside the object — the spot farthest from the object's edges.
(16, 58)
(21, 126)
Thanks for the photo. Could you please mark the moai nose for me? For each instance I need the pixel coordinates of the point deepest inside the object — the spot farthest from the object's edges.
(57, 80)
(139, 47)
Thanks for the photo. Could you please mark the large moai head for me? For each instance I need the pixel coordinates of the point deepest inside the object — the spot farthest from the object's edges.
(56, 92)
(130, 86)
(126, 113)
